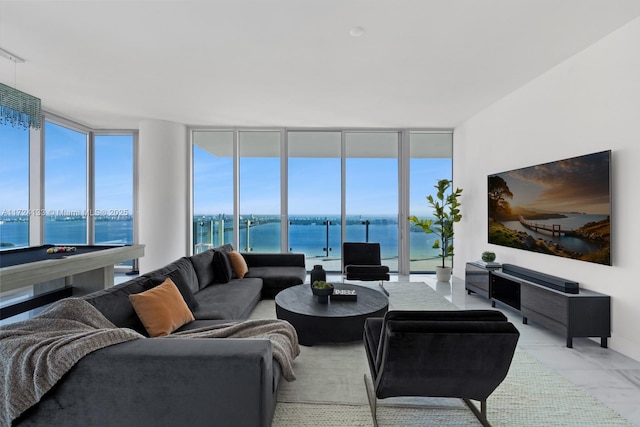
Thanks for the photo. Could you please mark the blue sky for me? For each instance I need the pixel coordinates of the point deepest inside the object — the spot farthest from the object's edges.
(114, 173)
(14, 174)
(314, 183)
(424, 175)
(65, 170)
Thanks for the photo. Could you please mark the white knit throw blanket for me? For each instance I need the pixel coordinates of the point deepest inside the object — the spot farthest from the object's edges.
(36, 353)
(283, 337)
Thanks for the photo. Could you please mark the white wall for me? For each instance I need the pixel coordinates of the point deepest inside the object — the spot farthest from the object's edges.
(589, 103)
(163, 193)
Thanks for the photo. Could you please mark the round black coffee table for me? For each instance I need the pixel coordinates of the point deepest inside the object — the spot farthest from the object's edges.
(337, 321)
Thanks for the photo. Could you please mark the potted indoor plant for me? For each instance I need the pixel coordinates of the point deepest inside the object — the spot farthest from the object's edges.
(446, 212)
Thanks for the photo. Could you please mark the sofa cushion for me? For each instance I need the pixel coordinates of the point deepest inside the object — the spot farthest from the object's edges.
(275, 279)
(233, 300)
(227, 247)
(203, 267)
(238, 264)
(161, 309)
(114, 303)
(183, 275)
(266, 259)
(222, 266)
(204, 323)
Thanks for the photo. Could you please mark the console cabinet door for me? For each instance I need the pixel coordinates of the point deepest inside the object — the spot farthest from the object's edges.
(547, 307)
(477, 279)
(590, 316)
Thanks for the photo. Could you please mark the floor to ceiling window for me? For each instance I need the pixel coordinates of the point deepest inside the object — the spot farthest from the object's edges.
(430, 161)
(259, 191)
(314, 196)
(330, 186)
(213, 180)
(113, 171)
(65, 185)
(77, 212)
(371, 197)
(14, 187)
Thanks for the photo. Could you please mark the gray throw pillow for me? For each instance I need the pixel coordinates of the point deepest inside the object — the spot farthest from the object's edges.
(222, 267)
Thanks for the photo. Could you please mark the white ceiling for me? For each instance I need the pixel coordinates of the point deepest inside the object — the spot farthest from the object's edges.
(421, 63)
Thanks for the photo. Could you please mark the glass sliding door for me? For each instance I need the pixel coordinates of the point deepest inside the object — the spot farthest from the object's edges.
(430, 161)
(314, 188)
(65, 185)
(259, 191)
(371, 184)
(212, 189)
(113, 179)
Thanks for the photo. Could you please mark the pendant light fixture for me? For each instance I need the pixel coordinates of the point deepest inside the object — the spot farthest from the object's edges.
(16, 107)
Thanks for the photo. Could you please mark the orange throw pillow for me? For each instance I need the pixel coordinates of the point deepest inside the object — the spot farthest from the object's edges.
(238, 263)
(162, 309)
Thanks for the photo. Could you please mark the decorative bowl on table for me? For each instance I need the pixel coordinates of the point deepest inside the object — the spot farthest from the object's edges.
(322, 290)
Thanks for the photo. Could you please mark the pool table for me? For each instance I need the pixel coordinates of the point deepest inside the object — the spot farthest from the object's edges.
(88, 269)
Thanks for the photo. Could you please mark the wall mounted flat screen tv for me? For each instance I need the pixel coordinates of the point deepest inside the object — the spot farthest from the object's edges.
(560, 208)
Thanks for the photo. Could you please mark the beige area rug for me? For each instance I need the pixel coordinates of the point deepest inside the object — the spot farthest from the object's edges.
(330, 391)
(327, 415)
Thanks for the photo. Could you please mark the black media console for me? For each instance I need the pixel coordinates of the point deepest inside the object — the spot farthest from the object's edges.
(476, 277)
(553, 302)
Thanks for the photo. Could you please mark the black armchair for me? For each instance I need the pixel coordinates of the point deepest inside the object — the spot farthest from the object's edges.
(361, 261)
(459, 354)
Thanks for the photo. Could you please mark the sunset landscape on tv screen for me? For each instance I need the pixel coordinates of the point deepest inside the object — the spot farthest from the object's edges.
(560, 208)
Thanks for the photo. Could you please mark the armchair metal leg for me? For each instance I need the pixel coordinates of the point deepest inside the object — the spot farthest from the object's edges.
(371, 395)
(481, 414)
(383, 289)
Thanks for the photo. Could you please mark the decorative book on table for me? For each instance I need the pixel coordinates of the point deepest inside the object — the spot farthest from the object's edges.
(344, 295)
(488, 264)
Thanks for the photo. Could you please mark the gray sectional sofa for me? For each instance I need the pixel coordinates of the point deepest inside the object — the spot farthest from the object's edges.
(194, 382)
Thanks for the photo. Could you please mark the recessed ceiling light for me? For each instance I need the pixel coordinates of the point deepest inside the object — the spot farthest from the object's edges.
(357, 31)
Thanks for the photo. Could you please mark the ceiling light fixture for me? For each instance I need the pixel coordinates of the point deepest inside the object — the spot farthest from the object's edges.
(357, 31)
(19, 109)
(16, 107)
(10, 56)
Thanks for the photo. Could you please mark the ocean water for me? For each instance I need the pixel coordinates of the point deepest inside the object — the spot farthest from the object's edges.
(311, 236)
(109, 232)
(307, 236)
